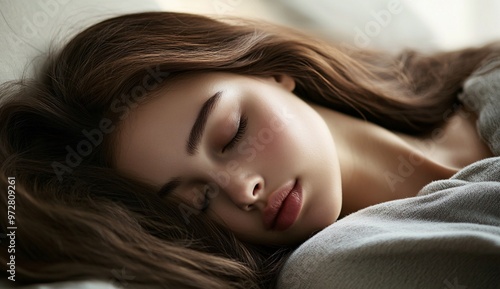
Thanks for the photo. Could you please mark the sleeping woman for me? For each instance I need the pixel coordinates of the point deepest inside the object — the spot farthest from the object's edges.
(199, 153)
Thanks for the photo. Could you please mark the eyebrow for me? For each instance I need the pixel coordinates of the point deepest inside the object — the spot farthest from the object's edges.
(193, 141)
(199, 125)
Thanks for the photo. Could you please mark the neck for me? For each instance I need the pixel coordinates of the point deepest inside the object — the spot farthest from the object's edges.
(376, 164)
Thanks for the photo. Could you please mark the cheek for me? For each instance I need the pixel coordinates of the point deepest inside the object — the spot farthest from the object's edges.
(275, 132)
(265, 139)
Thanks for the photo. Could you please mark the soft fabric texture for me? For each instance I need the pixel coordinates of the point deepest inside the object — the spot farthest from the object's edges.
(448, 236)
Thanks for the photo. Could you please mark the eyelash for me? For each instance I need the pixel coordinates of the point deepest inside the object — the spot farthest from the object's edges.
(242, 127)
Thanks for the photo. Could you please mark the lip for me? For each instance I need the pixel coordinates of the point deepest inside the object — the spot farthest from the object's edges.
(283, 206)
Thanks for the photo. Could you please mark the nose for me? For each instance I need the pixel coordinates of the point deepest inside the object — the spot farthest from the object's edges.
(244, 190)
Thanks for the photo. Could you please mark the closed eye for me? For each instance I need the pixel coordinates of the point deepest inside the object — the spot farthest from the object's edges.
(242, 127)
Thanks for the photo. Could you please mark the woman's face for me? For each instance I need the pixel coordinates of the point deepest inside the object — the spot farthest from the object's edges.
(242, 150)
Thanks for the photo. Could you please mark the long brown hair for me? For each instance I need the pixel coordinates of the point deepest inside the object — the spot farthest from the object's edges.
(77, 217)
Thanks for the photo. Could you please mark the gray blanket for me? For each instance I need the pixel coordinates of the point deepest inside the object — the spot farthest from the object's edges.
(448, 236)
